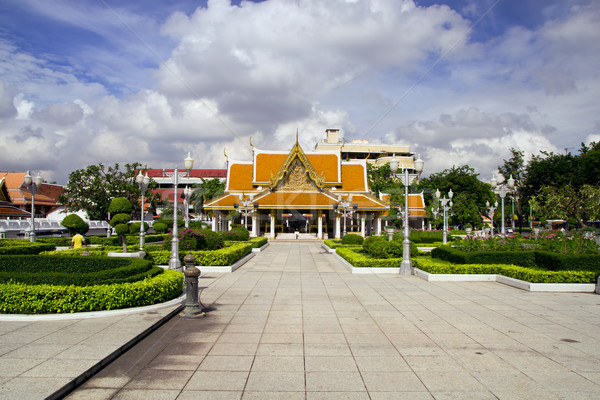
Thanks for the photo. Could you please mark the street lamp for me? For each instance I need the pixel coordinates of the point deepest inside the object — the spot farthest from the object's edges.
(446, 203)
(33, 185)
(143, 182)
(345, 204)
(504, 189)
(187, 193)
(406, 267)
(491, 209)
(175, 262)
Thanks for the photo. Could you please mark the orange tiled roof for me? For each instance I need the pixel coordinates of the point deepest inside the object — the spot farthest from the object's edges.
(327, 163)
(266, 164)
(309, 200)
(239, 177)
(353, 177)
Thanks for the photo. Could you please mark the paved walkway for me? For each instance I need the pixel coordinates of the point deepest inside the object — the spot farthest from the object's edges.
(294, 324)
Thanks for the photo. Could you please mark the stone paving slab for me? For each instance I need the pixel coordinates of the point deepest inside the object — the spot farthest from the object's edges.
(293, 323)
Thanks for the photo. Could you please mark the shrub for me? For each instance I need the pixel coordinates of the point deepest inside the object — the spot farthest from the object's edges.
(237, 234)
(75, 224)
(160, 227)
(120, 205)
(38, 299)
(134, 229)
(121, 209)
(221, 257)
(119, 219)
(23, 246)
(352, 238)
(370, 241)
(361, 260)
(214, 241)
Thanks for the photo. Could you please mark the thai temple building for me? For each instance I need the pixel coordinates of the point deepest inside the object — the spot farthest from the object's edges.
(317, 194)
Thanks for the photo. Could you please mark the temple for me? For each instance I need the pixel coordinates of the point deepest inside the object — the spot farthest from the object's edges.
(297, 193)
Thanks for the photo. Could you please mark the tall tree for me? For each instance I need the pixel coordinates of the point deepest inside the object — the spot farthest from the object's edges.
(470, 194)
(92, 189)
(208, 189)
(566, 202)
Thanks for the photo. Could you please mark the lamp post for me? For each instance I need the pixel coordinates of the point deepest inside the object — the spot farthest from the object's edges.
(175, 262)
(406, 267)
(446, 203)
(504, 189)
(491, 209)
(244, 203)
(187, 193)
(345, 205)
(33, 185)
(143, 182)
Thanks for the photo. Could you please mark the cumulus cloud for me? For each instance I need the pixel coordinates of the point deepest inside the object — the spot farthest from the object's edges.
(7, 107)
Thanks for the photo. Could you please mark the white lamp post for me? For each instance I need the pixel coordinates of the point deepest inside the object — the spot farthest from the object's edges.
(187, 193)
(504, 189)
(446, 203)
(175, 262)
(491, 209)
(143, 182)
(33, 185)
(406, 267)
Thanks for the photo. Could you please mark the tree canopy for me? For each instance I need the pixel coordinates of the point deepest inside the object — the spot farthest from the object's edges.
(91, 189)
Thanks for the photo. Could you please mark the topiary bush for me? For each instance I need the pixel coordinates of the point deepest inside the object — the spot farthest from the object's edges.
(352, 238)
(134, 229)
(120, 208)
(75, 224)
(160, 227)
(237, 234)
(371, 241)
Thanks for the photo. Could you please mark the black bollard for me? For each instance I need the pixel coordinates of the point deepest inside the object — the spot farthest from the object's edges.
(192, 305)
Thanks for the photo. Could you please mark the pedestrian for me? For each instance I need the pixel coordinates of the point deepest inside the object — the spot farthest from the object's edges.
(78, 241)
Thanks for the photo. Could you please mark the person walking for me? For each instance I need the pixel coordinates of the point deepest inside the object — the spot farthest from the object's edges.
(78, 241)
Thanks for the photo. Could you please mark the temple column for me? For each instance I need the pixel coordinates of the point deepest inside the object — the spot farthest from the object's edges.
(363, 217)
(337, 226)
(214, 221)
(377, 225)
(272, 215)
(254, 224)
(319, 224)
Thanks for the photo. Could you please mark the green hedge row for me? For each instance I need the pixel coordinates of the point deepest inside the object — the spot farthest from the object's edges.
(521, 258)
(23, 246)
(94, 251)
(354, 256)
(46, 263)
(32, 274)
(541, 259)
(259, 241)
(131, 239)
(225, 256)
(513, 271)
(18, 298)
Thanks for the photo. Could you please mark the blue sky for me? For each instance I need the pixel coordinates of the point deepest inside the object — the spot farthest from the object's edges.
(460, 82)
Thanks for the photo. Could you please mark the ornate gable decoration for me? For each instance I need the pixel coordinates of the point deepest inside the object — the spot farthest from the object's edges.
(296, 173)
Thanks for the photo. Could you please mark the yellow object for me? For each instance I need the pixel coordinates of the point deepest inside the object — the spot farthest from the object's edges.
(78, 241)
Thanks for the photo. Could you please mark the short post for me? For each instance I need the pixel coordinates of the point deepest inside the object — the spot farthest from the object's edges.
(192, 305)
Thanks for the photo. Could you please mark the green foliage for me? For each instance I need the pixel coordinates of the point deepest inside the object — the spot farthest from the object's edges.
(526, 274)
(371, 241)
(259, 241)
(208, 189)
(131, 240)
(81, 271)
(332, 244)
(24, 246)
(352, 238)
(195, 239)
(92, 189)
(120, 205)
(221, 257)
(568, 202)
(522, 258)
(381, 248)
(119, 219)
(160, 227)
(75, 224)
(134, 228)
(122, 229)
(359, 259)
(238, 234)
(214, 241)
(38, 299)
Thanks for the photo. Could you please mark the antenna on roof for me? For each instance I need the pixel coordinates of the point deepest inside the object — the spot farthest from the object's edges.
(296, 135)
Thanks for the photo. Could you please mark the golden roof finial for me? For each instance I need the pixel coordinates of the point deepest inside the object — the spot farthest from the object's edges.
(368, 155)
(225, 153)
(296, 135)
(251, 143)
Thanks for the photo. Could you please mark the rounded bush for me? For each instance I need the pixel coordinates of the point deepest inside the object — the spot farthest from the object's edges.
(120, 205)
(121, 229)
(352, 238)
(214, 241)
(238, 234)
(372, 240)
(134, 228)
(120, 219)
(160, 227)
(75, 224)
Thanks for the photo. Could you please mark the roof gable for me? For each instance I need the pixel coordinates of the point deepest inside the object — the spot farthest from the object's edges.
(297, 171)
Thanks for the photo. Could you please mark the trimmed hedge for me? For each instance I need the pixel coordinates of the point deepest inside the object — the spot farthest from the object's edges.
(23, 246)
(352, 239)
(221, 257)
(332, 244)
(540, 259)
(131, 240)
(362, 260)
(86, 271)
(259, 241)
(533, 275)
(18, 298)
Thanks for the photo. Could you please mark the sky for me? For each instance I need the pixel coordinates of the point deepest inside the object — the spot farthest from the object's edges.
(460, 82)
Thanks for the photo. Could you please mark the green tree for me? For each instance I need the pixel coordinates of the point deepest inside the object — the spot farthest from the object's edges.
(75, 224)
(92, 189)
(581, 204)
(470, 194)
(120, 208)
(208, 189)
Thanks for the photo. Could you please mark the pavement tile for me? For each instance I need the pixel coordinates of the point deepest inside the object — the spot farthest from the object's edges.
(337, 396)
(209, 395)
(159, 379)
(400, 395)
(456, 381)
(248, 395)
(146, 394)
(217, 380)
(382, 364)
(330, 364)
(326, 349)
(226, 363)
(272, 381)
(334, 381)
(11, 367)
(280, 349)
(393, 382)
(92, 393)
(176, 362)
(55, 368)
(270, 363)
